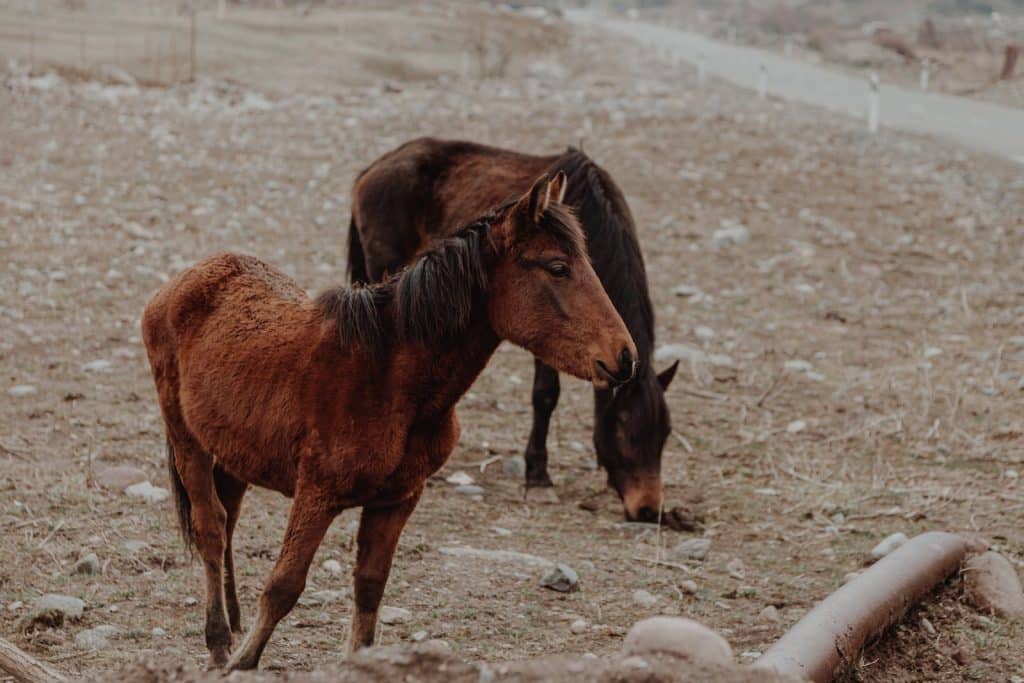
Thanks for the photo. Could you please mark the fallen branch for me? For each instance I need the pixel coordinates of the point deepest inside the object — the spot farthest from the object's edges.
(24, 668)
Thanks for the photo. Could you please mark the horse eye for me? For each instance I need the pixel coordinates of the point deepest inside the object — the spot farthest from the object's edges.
(558, 269)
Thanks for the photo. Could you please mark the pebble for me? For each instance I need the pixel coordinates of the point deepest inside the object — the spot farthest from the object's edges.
(190, 601)
(681, 637)
(730, 234)
(158, 632)
(579, 626)
(100, 365)
(692, 549)
(688, 586)
(887, 545)
(644, 598)
(332, 566)
(514, 467)
(796, 426)
(89, 564)
(459, 478)
(95, 638)
(736, 568)
(561, 578)
(22, 390)
(704, 333)
(394, 615)
(147, 492)
(470, 490)
(991, 583)
(927, 626)
(120, 477)
(770, 614)
(133, 545)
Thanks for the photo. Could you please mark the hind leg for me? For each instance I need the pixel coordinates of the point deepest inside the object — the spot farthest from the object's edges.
(209, 521)
(230, 491)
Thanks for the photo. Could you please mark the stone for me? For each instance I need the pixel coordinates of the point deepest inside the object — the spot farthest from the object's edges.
(100, 365)
(562, 578)
(89, 564)
(644, 598)
(120, 477)
(688, 586)
(97, 638)
(147, 492)
(418, 636)
(770, 614)
(70, 607)
(991, 583)
(887, 545)
(729, 235)
(736, 568)
(692, 549)
(22, 390)
(796, 426)
(514, 467)
(579, 626)
(672, 352)
(332, 566)
(680, 637)
(158, 632)
(459, 478)
(470, 490)
(394, 615)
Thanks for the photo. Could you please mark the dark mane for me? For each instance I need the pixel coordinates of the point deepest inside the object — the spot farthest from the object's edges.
(431, 300)
(611, 237)
(561, 223)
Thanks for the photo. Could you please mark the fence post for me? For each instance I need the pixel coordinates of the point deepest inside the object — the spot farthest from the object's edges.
(192, 48)
(874, 95)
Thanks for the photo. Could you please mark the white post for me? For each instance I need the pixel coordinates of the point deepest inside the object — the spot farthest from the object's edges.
(762, 82)
(925, 73)
(874, 95)
(700, 69)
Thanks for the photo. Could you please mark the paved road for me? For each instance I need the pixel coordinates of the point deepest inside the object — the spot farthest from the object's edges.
(986, 127)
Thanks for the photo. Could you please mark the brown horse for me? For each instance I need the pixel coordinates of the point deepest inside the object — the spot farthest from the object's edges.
(349, 400)
(428, 188)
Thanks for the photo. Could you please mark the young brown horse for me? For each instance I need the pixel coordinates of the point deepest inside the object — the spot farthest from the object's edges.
(428, 188)
(349, 400)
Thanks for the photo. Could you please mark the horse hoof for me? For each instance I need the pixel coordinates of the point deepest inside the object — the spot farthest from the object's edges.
(218, 659)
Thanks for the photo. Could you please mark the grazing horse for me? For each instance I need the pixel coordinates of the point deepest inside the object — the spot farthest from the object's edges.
(349, 400)
(429, 188)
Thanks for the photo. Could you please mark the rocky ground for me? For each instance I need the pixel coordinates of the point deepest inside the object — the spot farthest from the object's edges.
(849, 311)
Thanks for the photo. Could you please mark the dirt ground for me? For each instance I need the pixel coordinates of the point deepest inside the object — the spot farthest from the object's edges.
(853, 370)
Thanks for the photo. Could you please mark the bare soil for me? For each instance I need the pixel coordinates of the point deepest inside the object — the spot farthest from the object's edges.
(860, 374)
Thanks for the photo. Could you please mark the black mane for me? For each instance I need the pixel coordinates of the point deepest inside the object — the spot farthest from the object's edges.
(611, 239)
(433, 298)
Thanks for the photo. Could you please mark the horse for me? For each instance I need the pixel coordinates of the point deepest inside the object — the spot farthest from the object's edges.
(349, 400)
(427, 188)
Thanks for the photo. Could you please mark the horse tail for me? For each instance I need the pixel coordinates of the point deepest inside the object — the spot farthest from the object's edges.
(181, 501)
(356, 258)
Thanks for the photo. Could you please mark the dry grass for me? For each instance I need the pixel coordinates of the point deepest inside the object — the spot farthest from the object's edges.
(889, 266)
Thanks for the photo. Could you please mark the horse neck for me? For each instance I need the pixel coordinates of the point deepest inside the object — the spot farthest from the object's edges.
(612, 243)
(440, 377)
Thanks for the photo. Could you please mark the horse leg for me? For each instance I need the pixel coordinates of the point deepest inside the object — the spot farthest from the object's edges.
(230, 491)
(195, 468)
(379, 529)
(545, 398)
(308, 521)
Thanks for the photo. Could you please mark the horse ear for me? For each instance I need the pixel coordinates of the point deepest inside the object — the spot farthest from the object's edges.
(538, 198)
(556, 188)
(665, 376)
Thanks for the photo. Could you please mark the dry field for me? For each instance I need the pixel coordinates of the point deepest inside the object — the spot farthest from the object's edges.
(854, 369)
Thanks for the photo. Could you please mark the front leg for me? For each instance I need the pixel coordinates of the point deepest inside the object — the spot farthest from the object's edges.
(545, 397)
(379, 529)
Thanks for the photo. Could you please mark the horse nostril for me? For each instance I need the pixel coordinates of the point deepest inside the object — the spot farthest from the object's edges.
(647, 514)
(626, 362)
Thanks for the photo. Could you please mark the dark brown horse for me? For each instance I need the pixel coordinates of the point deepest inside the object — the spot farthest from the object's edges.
(349, 400)
(429, 188)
